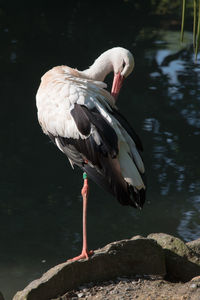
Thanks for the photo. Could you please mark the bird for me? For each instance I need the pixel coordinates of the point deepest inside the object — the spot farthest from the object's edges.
(81, 118)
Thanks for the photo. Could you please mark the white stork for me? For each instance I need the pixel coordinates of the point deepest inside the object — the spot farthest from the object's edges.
(81, 118)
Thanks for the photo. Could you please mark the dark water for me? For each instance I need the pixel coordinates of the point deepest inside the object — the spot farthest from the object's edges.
(40, 207)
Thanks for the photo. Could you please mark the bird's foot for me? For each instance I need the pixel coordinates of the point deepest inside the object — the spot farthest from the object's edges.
(84, 255)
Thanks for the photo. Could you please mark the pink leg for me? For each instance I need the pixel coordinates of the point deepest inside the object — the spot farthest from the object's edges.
(85, 252)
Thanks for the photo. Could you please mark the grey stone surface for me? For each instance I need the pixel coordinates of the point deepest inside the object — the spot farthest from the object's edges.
(195, 246)
(124, 258)
(158, 255)
(182, 262)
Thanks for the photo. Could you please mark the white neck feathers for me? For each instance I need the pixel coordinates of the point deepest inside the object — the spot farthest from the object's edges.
(113, 60)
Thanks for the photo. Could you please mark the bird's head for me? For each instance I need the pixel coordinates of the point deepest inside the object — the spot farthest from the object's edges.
(123, 64)
(118, 60)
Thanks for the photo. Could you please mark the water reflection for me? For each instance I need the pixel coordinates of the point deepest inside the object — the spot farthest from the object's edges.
(189, 227)
(175, 131)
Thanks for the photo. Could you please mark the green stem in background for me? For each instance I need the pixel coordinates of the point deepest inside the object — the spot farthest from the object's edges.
(183, 19)
(198, 33)
(195, 25)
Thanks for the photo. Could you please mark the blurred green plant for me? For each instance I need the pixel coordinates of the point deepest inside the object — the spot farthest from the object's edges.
(183, 20)
(196, 24)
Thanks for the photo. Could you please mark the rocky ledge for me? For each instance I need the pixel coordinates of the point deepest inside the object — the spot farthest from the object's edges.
(120, 266)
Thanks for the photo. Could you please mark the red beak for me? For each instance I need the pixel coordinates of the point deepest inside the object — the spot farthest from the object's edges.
(117, 84)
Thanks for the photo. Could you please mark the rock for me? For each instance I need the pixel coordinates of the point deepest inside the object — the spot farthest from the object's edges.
(182, 263)
(196, 279)
(124, 258)
(195, 246)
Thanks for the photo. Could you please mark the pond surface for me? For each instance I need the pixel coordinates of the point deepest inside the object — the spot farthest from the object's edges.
(41, 207)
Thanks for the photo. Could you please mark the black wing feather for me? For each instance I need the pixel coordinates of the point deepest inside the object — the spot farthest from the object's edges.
(84, 117)
(102, 169)
(98, 160)
(81, 119)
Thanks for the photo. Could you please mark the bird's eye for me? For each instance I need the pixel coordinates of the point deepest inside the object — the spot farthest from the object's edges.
(124, 64)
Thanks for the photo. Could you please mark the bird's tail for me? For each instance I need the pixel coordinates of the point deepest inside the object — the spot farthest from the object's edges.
(111, 179)
(137, 196)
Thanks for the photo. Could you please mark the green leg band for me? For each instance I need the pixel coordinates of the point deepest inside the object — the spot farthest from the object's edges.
(84, 175)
